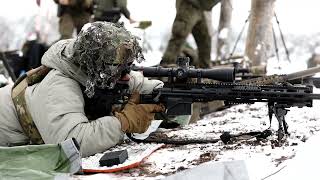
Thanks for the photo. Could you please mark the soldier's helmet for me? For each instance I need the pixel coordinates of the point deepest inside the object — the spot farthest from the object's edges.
(105, 51)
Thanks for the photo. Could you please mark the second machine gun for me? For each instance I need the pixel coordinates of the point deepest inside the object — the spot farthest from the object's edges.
(185, 86)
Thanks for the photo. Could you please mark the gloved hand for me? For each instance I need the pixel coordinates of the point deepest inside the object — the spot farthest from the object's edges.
(135, 117)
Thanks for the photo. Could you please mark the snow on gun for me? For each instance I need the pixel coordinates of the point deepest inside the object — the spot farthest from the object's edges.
(180, 92)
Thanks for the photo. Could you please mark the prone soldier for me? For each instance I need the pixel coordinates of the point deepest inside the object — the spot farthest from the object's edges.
(192, 16)
(67, 97)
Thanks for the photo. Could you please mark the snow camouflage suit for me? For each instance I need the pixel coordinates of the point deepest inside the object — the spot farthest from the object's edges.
(57, 103)
(73, 16)
(190, 18)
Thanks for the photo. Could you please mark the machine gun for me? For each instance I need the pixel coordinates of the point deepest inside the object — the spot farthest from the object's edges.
(179, 92)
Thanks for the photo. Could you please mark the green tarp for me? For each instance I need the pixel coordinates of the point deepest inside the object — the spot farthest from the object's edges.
(49, 161)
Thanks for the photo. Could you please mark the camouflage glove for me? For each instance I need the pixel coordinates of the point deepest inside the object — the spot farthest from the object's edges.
(135, 117)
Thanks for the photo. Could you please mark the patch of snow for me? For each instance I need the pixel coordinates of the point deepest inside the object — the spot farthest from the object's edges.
(3, 79)
(224, 33)
(152, 128)
(317, 50)
(86, 27)
(297, 158)
(262, 159)
(305, 164)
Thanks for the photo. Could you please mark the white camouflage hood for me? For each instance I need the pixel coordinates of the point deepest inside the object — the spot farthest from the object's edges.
(59, 57)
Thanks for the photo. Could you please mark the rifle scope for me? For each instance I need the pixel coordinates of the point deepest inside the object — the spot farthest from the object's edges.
(184, 71)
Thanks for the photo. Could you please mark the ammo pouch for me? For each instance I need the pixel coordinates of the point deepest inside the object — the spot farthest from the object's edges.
(18, 96)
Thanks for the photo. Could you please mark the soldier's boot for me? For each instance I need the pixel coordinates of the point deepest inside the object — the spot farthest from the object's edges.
(167, 63)
(188, 51)
(169, 57)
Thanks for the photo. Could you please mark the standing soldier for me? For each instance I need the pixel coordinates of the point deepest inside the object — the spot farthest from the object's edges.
(191, 18)
(73, 14)
(111, 10)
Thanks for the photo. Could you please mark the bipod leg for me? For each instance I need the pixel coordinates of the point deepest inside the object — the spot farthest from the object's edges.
(280, 113)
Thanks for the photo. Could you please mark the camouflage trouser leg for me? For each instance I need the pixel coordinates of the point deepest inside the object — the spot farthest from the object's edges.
(66, 26)
(190, 52)
(202, 37)
(80, 20)
(187, 16)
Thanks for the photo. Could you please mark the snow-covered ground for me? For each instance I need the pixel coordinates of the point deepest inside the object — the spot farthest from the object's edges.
(262, 158)
(296, 159)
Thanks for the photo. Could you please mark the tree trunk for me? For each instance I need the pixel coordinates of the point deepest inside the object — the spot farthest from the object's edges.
(259, 38)
(224, 29)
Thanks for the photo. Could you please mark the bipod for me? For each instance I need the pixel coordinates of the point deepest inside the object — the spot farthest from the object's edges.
(279, 111)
